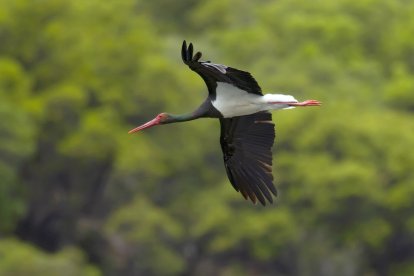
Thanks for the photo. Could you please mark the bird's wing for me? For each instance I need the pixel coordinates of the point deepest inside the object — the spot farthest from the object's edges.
(246, 142)
(213, 73)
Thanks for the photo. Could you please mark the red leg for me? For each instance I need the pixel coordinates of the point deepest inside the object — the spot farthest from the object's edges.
(306, 103)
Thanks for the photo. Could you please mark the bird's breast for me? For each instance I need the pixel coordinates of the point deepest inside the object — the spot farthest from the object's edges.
(232, 101)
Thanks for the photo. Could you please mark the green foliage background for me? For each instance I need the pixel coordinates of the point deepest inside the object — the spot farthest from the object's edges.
(78, 196)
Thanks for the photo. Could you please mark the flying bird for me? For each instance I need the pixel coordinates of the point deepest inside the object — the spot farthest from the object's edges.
(247, 130)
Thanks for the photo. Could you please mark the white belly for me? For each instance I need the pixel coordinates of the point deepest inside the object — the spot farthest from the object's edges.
(232, 101)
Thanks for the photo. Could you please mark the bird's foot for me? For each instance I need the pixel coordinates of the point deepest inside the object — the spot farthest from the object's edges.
(306, 103)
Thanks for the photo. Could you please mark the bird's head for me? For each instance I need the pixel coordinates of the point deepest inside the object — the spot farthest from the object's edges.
(160, 119)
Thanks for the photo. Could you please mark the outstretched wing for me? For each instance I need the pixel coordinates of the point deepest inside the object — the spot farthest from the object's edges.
(246, 142)
(213, 73)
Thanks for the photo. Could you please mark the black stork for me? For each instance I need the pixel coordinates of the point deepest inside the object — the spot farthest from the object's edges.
(247, 130)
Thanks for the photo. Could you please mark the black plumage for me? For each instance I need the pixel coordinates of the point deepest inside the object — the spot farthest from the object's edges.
(246, 142)
(213, 73)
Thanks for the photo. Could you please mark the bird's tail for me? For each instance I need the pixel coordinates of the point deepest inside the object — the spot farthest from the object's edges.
(279, 101)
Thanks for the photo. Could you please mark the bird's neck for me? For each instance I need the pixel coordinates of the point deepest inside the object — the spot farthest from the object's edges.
(185, 117)
(204, 110)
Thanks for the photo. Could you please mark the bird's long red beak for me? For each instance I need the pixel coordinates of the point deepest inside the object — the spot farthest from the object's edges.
(153, 122)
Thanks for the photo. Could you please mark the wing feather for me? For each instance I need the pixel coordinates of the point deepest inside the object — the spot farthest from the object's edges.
(212, 73)
(246, 142)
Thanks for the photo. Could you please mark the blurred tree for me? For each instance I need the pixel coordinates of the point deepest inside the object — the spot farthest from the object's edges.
(76, 75)
(17, 141)
(20, 259)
